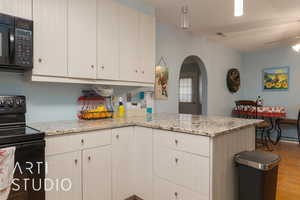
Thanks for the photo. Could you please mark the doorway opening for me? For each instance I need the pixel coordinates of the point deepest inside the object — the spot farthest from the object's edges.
(193, 87)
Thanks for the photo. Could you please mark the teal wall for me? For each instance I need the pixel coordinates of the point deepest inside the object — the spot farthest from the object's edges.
(251, 72)
(45, 101)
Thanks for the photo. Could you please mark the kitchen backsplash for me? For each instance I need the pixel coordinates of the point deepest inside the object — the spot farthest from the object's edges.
(48, 101)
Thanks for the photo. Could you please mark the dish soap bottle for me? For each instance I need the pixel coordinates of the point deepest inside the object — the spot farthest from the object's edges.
(121, 109)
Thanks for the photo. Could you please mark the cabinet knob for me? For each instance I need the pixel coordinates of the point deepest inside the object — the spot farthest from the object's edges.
(92, 66)
(82, 141)
(176, 160)
(143, 72)
(40, 60)
(136, 71)
(89, 158)
(102, 67)
(176, 194)
(117, 136)
(76, 161)
(176, 142)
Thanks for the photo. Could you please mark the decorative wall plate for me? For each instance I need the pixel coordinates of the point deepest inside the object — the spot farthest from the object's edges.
(233, 80)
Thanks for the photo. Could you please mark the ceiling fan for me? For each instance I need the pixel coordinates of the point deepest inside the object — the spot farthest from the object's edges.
(294, 41)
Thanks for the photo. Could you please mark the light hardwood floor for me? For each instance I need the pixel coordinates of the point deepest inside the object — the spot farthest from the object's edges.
(289, 171)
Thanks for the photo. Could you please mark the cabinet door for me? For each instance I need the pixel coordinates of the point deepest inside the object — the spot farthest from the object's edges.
(122, 171)
(97, 174)
(108, 39)
(143, 182)
(19, 8)
(147, 48)
(50, 38)
(61, 168)
(82, 38)
(129, 39)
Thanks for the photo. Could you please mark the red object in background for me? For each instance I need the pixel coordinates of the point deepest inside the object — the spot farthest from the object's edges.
(265, 111)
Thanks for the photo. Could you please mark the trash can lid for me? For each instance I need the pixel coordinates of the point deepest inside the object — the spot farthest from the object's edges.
(260, 160)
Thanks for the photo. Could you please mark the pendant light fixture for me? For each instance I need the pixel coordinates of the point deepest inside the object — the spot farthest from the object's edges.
(185, 17)
(238, 8)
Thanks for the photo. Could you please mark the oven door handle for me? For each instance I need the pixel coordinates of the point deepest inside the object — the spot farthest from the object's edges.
(36, 144)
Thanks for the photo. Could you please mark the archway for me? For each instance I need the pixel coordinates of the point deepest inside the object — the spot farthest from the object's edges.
(193, 86)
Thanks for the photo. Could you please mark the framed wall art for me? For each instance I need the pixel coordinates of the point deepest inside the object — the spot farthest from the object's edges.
(276, 79)
(161, 81)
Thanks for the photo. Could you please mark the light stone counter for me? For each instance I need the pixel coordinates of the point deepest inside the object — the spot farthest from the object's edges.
(210, 126)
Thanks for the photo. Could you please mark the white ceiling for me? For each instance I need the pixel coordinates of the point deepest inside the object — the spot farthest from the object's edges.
(264, 21)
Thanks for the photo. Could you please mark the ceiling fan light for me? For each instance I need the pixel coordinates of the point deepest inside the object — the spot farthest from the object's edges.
(238, 8)
(296, 47)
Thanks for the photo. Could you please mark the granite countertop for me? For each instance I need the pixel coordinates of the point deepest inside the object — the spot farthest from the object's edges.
(210, 126)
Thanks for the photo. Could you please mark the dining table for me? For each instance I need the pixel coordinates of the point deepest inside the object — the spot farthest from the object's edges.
(270, 113)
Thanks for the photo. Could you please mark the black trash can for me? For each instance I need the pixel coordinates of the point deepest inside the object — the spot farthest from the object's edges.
(257, 173)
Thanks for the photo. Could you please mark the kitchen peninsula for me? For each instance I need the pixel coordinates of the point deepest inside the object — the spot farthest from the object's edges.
(177, 156)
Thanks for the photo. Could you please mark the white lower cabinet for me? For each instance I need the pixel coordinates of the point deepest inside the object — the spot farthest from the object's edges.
(182, 168)
(164, 190)
(64, 168)
(96, 168)
(85, 160)
(122, 161)
(143, 151)
(119, 163)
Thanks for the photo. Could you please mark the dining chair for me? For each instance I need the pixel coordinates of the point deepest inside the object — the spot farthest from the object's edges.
(249, 109)
(287, 121)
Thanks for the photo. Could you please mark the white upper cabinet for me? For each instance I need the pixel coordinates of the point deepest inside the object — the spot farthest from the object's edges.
(147, 48)
(129, 43)
(108, 39)
(82, 47)
(19, 8)
(50, 37)
(91, 41)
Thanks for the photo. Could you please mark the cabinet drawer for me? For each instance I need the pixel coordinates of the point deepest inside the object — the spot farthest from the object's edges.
(183, 142)
(96, 139)
(185, 169)
(69, 143)
(63, 144)
(164, 190)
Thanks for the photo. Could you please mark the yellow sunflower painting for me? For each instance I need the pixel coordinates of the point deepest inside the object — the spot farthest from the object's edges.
(276, 78)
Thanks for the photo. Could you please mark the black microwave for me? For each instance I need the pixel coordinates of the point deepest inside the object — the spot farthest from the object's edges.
(16, 43)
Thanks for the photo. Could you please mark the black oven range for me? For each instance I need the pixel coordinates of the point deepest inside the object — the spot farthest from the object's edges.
(28, 146)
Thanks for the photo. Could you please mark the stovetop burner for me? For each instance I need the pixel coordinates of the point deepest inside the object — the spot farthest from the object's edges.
(13, 127)
(19, 134)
